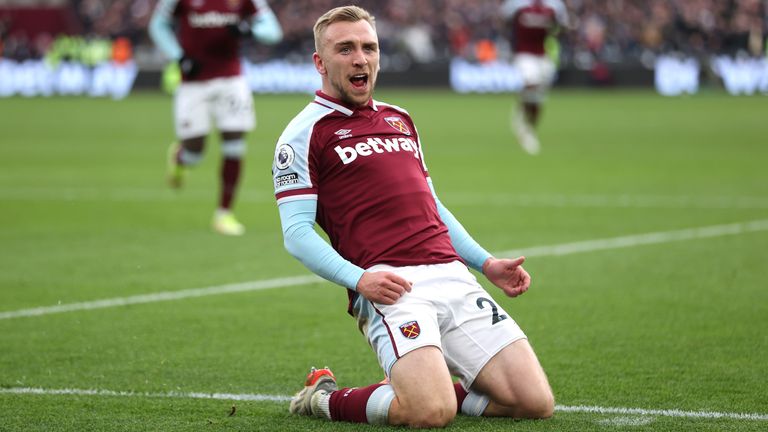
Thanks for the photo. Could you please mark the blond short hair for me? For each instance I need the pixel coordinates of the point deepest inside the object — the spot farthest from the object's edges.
(343, 13)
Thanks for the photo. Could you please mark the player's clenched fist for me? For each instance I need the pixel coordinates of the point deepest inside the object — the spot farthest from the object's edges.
(382, 287)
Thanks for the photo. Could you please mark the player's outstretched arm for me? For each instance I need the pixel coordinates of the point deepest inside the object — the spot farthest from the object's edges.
(507, 274)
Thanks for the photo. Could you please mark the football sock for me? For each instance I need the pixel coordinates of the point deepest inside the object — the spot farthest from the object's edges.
(188, 158)
(322, 405)
(361, 405)
(474, 404)
(371, 404)
(230, 176)
(461, 394)
(532, 111)
(377, 408)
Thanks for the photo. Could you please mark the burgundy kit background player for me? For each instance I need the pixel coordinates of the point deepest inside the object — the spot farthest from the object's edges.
(530, 23)
(204, 37)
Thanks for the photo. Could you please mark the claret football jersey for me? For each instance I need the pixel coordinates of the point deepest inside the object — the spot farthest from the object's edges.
(204, 36)
(532, 21)
(365, 168)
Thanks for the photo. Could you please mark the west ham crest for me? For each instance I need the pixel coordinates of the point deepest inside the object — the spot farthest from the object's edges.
(398, 124)
(411, 329)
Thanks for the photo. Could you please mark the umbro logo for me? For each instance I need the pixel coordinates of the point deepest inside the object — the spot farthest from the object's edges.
(343, 133)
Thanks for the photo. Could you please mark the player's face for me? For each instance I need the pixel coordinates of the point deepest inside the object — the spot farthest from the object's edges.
(349, 61)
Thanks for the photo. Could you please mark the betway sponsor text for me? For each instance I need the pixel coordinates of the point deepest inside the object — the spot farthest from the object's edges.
(376, 145)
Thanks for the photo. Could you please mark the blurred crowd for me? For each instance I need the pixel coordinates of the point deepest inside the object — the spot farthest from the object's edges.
(429, 31)
(613, 31)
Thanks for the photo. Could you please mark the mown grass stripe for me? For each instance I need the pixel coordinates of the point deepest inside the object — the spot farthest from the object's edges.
(450, 198)
(551, 250)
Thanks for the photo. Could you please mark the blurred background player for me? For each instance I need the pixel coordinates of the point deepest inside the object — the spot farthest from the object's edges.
(204, 38)
(530, 23)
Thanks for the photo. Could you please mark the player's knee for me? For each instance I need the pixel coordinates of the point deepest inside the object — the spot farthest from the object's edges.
(537, 405)
(433, 413)
(531, 403)
(432, 416)
(233, 149)
(194, 145)
(533, 94)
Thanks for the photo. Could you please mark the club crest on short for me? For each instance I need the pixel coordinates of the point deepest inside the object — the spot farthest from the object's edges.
(410, 330)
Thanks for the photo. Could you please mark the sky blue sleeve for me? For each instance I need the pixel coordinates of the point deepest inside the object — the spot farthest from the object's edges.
(305, 244)
(161, 30)
(465, 245)
(266, 29)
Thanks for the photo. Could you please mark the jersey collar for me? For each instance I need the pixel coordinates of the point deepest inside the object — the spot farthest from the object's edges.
(333, 103)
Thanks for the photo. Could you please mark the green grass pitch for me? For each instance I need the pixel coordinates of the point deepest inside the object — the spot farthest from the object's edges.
(669, 318)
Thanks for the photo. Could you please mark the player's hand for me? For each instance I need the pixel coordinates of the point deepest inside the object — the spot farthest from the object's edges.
(241, 29)
(382, 287)
(508, 275)
(189, 67)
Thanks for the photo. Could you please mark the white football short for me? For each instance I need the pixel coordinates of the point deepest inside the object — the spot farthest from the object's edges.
(535, 70)
(446, 308)
(227, 102)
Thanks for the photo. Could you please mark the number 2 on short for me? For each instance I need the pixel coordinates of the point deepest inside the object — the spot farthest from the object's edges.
(496, 317)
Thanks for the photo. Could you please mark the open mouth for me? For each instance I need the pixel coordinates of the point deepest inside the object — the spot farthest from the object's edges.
(359, 80)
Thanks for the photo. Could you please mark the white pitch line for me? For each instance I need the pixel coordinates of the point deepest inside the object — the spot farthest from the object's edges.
(582, 409)
(640, 239)
(70, 194)
(164, 296)
(661, 412)
(608, 201)
(192, 395)
(551, 250)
